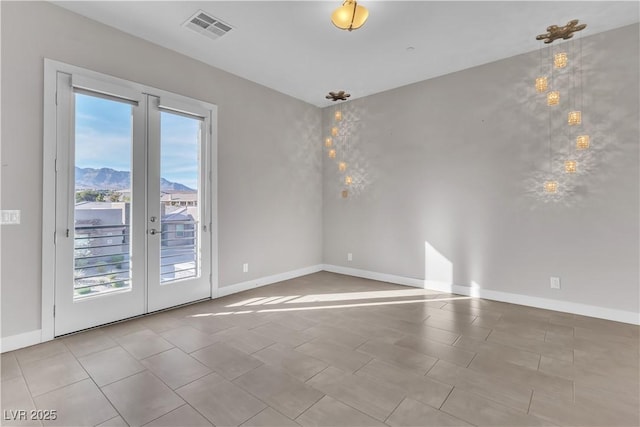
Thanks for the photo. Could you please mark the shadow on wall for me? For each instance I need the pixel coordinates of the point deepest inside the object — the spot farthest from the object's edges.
(604, 120)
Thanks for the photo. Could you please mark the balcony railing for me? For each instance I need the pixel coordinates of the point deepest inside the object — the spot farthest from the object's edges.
(102, 256)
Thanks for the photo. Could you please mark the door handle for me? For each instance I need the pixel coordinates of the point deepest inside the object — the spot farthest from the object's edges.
(153, 231)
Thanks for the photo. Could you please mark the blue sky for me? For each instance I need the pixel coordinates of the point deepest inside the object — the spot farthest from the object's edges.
(103, 139)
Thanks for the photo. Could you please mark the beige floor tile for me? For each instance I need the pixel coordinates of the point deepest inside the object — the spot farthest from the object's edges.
(220, 401)
(481, 359)
(478, 410)
(270, 418)
(141, 398)
(110, 365)
(612, 333)
(584, 412)
(183, 416)
(358, 325)
(208, 324)
(402, 326)
(88, 342)
(456, 317)
(521, 330)
(40, 351)
(227, 361)
(9, 367)
(560, 329)
(143, 344)
(605, 329)
(472, 311)
(589, 345)
(438, 350)
(336, 334)
(51, 373)
(175, 367)
(464, 329)
(279, 390)
(500, 351)
(414, 313)
(411, 381)
(511, 394)
(334, 354)
(622, 403)
(78, 404)
(124, 328)
(412, 413)
(517, 318)
(15, 398)
(533, 346)
(438, 335)
(282, 334)
(162, 322)
(584, 376)
(188, 339)
(114, 422)
(614, 363)
(244, 340)
(397, 354)
(367, 395)
(299, 365)
(329, 412)
(538, 381)
(291, 320)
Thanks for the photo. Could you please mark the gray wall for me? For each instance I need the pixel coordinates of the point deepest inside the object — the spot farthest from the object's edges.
(455, 161)
(269, 165)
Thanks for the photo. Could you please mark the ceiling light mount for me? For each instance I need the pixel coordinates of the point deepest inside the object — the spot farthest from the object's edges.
(350, 16)
(338, 96)
(554, 32)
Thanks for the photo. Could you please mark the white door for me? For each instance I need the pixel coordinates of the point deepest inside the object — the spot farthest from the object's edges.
(178, 239)
(133, 201)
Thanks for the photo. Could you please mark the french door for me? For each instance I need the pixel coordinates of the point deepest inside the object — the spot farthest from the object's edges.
(133, 211)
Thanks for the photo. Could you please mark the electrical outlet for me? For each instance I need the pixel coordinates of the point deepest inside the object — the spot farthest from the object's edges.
(10, 217)
(555, 282)
(349, 256)
(245, 267)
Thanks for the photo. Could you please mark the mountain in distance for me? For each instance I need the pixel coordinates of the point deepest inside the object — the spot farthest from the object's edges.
(110, 179)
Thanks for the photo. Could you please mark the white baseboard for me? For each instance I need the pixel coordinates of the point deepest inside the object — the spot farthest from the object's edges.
(267, 280)
(391, 278)
(25, 339)
(552, 304)
(383, 277)
(544, 303)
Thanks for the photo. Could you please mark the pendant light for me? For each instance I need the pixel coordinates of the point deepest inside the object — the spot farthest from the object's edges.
(350, 16)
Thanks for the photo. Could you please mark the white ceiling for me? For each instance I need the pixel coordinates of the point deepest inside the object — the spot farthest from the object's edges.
(292, 47)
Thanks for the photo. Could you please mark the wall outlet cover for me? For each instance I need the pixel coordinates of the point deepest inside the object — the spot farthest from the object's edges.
(10, 217)
(555, 282)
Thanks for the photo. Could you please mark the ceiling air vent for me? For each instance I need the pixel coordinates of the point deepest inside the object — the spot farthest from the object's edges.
(205, 24)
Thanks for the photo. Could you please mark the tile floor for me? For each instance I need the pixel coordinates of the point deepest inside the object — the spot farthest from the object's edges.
(332, 350)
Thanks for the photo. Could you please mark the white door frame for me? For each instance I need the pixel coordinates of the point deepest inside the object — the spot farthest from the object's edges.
(51, 69)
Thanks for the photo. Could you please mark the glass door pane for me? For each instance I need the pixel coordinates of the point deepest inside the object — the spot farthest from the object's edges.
(102, 214)
(179, 239)
(179, 197)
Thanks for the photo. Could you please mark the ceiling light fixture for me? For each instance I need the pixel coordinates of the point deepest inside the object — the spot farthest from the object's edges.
(574, 118)
(350, 16)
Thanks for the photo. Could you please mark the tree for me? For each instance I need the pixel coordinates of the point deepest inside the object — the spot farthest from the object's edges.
(114, 196)
(87, 196)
